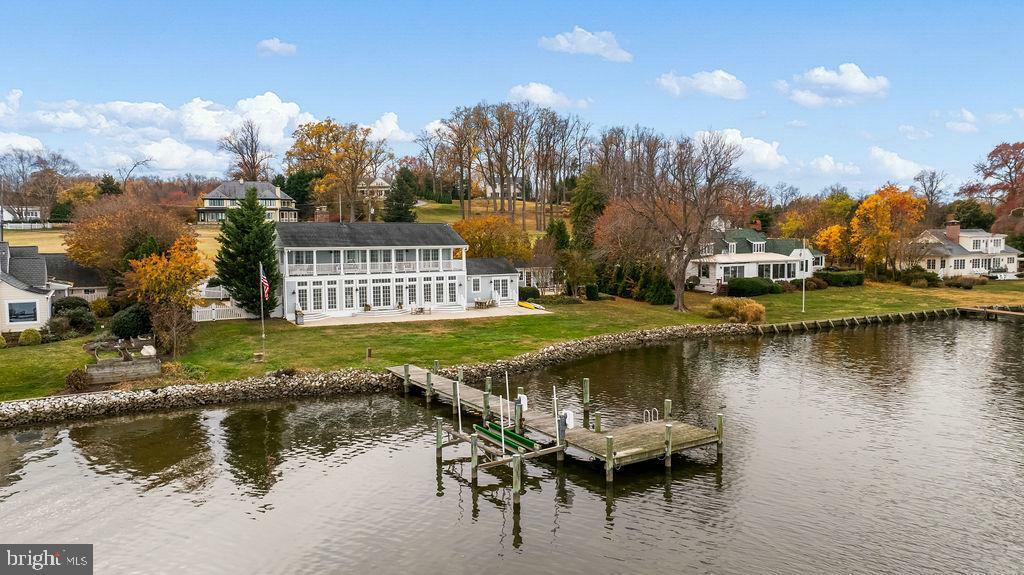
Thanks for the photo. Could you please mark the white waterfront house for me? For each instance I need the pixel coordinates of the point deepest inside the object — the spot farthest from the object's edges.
(280, 206)
(952, 251)
(344, 269)
(747, 253)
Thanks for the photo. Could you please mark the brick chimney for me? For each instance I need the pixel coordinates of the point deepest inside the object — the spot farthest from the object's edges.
(953, 230)
(755, 225)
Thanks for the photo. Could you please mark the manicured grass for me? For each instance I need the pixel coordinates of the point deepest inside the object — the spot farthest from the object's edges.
(224, 349)
(38, 370)
(52, 241)
(450, 213)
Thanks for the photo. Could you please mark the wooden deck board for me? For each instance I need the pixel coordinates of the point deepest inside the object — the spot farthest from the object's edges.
(632, 443)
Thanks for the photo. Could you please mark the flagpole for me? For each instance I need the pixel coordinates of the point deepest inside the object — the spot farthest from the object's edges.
(263, 325)
(803, 291)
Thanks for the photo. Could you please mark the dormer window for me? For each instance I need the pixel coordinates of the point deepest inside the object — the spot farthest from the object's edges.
(758, 247)
(707, 249)
(732, 247)
(997, 243)
(976, 245)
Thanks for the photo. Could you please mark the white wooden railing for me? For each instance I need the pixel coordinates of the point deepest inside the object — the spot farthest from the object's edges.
(301, 269)
(214, 313)
(328, 269)
(380, 267)
(451, 265)
(430, 266)
(405, 266)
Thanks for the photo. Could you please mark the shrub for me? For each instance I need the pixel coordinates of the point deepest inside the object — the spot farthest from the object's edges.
(788, 287)
(1020, 275)
(590, 290)
(30, 337)
(736, 309)
(847, 278)
(692, 282)
(910, 276)
(58, 326)
(965, 282)
(132, 321)
(746, 287)
(528, 292)
(817, 282)
(81, 320)
(919, 283)
(77, 380)
(3, 342)
(64, 305)
(100, 307)
(193, 371)
(555, 300)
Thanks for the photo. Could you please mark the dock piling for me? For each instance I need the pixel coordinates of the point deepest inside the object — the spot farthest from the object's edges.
(586, 394)
(720, 432)
(455, 398)
(487, 398)
(437, 366)
(430, 387)
(517, 477)
(609, 459)
(519, 417)
(405, 379)
(474, 457)
(597, 422)
(668, 445)
(438, 422)
(668, 408)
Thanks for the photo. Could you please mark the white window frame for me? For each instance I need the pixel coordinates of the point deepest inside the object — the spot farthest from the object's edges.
(7, 311)
(757, 247)
(476, 284)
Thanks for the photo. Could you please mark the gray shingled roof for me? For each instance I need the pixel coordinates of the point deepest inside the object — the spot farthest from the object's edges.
(235, 190)
(489, 267)
(63, 269)
(9, 279)
(31, 270)
(943, 246)
(335, 235)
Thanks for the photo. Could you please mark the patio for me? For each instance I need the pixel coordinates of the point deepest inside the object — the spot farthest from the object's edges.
(359, 319)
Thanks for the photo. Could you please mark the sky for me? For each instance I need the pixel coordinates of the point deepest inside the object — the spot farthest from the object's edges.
(813, 92)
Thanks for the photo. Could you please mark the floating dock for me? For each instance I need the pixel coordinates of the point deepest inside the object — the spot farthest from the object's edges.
(653, 439)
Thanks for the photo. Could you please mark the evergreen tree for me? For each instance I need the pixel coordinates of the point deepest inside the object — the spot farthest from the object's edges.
(588, 202)
(246, 239)
(108, 186)
(299, 185)
(401, 198)
(559, 232)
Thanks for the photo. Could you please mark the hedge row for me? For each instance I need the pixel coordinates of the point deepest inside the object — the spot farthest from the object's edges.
(842, 279)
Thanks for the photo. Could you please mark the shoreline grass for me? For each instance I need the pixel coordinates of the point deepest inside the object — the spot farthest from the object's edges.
(223, 350)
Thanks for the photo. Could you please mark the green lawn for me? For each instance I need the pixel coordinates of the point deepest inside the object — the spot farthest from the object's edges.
(37, 370)
(224, 349)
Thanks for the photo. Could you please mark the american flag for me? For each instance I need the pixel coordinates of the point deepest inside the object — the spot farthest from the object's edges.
(264, 284)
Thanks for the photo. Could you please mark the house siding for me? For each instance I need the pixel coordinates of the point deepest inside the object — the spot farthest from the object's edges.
(11, 294)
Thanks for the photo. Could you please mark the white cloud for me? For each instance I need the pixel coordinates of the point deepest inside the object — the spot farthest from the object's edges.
(1019, 112)
(998, 118)
(434, 126)
(914, 133)
(386, 128)
(171, 155)
(11, 103)
(580, 41)
(544, 96)
(275, 47)
(10, 140)
(844, 86)
(894, 165)
(717, 83)
(208, 121)
(757, 154)
(964, 122)
(829, 166)
(796, 124)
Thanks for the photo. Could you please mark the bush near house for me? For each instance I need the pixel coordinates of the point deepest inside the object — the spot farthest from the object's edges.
(69, 303)
(77, 380)
(100, 307)
(81, 320)
(132, 321)
(847, 278)
(965, 282)
(736, 309)
(3, 342)
(911, 276)
(591, 292)
(528, 292)
(749, 287)
(30, 337)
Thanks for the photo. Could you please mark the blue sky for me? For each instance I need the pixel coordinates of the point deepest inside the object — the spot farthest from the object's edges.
(814, 92)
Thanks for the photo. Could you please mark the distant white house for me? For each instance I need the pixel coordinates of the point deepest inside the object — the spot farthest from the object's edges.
(952, 251)
(21, 214)
(344, 269)
(279, 205)
(373, 187)
(746, 253)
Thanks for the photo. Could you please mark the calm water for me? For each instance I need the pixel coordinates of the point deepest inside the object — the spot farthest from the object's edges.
(897, 448)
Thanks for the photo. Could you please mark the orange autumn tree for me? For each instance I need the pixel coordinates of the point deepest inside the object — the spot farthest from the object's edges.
(884, 225)
(494, 237)
(835, 241)
(167, 285)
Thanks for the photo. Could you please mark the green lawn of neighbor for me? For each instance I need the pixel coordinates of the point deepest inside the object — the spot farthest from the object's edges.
(37, 370)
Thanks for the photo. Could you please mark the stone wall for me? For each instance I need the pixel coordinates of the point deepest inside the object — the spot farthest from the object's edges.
(114, 371)
(328, 383)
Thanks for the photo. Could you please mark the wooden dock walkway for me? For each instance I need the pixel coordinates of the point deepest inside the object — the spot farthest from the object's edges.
(614, 447)
(1014, 313)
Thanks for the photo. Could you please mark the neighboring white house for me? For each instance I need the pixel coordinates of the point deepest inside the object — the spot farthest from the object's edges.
(954, 252)
(279, 205)
(21, 214)
(373, 188)
(25, 291)
(83, 282)
(343, 269)
(534, 275)
(746, 253)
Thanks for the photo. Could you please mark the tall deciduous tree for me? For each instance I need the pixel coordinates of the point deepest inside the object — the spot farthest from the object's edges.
(247, 239)
(884, 225)
(250, 160)
(1001, 183)
(492, 237)
(401, 198)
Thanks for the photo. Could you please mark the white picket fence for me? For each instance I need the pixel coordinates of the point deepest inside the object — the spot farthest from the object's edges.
(216, 312)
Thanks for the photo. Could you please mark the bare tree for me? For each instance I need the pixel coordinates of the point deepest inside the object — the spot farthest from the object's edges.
(431, 149)
(930, 184)
(16, 167)
(783, 194)
(51, 175)
(250, 158)
(460, 136)
(126, 171)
